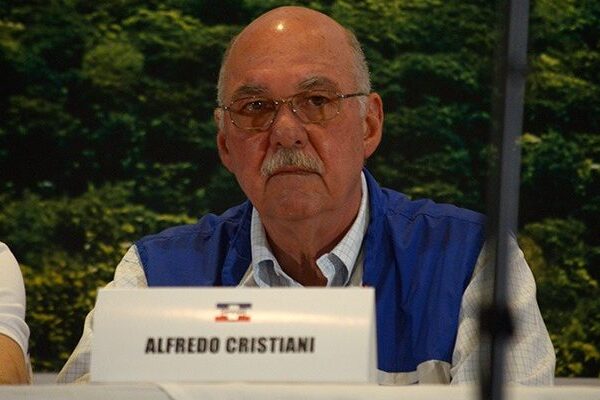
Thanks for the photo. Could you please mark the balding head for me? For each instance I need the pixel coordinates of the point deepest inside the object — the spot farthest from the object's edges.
(300, 112)
(285, 30)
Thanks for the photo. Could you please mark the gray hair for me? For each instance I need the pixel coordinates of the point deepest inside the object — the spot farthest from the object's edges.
(361, 69)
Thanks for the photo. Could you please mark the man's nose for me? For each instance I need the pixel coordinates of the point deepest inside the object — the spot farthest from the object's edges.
(287, 129)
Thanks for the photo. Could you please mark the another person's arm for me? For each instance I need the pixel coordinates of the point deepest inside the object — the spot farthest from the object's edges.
(13, 369)
(14, 332)
(128, 274)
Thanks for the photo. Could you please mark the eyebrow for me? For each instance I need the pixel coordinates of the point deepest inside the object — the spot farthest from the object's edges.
(318, 82)
(311, 83)
(248, 91)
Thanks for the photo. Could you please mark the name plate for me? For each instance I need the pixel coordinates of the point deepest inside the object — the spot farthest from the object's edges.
(234, 334)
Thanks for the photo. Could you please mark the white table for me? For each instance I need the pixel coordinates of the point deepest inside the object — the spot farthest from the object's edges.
(250, 391)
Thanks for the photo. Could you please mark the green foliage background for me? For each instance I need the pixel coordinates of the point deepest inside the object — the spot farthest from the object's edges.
(106, 135)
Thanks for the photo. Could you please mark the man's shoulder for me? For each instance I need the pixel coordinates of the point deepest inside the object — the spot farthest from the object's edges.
(401, 206)
(206, 226)
(397, 205)
(196, 254)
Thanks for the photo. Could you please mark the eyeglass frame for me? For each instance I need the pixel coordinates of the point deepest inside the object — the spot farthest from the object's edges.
(279, 102)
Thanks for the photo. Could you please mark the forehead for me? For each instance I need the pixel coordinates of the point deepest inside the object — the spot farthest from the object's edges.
(284, 56)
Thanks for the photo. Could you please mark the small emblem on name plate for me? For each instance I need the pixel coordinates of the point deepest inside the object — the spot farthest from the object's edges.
(233, 312)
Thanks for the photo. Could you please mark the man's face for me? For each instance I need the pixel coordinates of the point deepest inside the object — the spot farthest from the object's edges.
(277, 59)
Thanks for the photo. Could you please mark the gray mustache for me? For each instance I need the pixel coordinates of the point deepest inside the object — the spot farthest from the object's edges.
(290, 158)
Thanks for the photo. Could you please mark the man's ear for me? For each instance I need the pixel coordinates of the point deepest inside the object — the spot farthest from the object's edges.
(222, 146)
(373, 127)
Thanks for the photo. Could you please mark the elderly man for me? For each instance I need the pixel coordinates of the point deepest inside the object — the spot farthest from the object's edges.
(297, 120)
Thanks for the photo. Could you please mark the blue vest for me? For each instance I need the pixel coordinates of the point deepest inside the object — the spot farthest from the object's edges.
(418, 255)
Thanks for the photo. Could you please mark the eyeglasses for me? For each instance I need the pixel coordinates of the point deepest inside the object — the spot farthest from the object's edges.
(313, 106)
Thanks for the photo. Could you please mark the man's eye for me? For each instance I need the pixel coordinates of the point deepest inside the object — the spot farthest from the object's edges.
(255, 106)
(317, 100)
(252, 106)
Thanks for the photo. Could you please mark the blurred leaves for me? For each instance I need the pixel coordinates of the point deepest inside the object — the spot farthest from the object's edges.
(113, 65)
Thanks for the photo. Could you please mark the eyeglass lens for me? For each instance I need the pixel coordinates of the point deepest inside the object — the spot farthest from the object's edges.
(258, 113)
